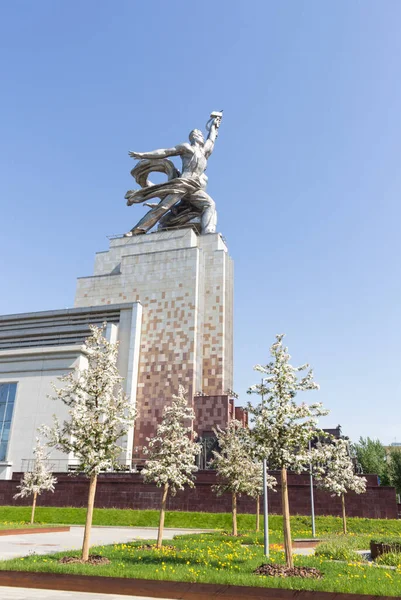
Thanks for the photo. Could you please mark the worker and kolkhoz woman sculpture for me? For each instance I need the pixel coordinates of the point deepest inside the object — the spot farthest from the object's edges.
(182, 197)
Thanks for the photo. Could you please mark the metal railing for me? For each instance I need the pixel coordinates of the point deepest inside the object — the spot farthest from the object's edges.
(65, 465)
(68, 465)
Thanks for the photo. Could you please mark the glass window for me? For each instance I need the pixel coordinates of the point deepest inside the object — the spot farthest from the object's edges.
(3, 450)
(3, 392)
(11, 392)
(7, 397)
(9, 412)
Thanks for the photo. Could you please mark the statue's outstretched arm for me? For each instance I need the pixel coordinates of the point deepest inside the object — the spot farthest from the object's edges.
(162, 153)
(211, 138)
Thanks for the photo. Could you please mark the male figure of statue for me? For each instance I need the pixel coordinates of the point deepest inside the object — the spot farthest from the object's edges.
(182, 195)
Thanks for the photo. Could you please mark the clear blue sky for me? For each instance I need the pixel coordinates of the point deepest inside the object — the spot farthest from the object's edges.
(306, 171)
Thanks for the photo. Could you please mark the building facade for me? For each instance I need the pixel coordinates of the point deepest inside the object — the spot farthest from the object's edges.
(167, 299)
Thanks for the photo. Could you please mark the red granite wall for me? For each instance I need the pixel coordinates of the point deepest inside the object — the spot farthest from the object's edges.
(127, 491)
(241, 415)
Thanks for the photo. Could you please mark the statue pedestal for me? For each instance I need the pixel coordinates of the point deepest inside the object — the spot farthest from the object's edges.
(184, 282)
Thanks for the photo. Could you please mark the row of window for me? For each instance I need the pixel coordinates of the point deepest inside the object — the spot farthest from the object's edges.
(7, 400)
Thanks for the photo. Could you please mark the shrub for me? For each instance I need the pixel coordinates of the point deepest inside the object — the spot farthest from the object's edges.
(383, 545)
(396, 541)
(391, 559)
(338, 549)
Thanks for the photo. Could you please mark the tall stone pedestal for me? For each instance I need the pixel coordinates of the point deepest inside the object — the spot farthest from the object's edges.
(184, 282)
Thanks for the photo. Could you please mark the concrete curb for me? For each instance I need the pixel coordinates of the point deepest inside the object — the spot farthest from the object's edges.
(33, 530)
(162, 589)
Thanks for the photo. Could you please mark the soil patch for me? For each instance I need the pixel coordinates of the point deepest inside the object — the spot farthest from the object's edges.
(283, 571)
(94, 559)
(306, 543)
(27, 530)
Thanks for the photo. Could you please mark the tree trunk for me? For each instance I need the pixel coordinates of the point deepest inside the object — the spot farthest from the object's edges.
(343, 511)
(257, 513)
(286, 519)
(162, 514)
(35, 495)
(89, 516)
(235, 531)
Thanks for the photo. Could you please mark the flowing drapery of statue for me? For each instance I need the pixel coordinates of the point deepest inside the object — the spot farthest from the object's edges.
(183, 196)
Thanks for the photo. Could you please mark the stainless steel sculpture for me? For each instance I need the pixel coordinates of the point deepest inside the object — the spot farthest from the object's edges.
(182, 196)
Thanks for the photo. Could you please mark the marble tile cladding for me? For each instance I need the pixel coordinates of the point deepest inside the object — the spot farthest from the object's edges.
(211, 411)
(184, 283)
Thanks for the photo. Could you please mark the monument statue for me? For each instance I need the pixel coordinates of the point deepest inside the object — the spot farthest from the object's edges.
(183, 196)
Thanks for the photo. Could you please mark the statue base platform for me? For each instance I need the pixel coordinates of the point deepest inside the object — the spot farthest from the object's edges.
(184, 282)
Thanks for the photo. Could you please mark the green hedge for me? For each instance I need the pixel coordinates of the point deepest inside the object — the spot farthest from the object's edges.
(386, 540)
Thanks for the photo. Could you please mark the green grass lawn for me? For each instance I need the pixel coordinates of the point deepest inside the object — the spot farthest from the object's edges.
(215, 558)
(218, 558)
(301, 526)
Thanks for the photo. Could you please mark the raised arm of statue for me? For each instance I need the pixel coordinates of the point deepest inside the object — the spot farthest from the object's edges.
(211, 138)
(183, 196)
(162, 153)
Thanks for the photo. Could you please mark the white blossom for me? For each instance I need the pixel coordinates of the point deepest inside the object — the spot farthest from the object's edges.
(334, 469)
(283, 428)
(237, 470)
(171, 453)
(40, 478)
(254, 486)
(99, 411)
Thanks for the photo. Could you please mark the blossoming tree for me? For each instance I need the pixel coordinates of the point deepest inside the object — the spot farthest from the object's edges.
(237, 471)
(39, 480)
(100, 414)
(334, 472)
(255, 485)
(171, 453)
(282, 428)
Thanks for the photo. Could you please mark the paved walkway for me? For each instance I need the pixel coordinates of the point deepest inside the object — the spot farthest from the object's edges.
(14, 546)
(11, 593)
